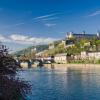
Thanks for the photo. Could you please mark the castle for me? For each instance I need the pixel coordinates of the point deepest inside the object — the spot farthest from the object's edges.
(82, 35)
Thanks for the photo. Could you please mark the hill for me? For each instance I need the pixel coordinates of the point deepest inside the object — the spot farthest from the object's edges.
(37, 48)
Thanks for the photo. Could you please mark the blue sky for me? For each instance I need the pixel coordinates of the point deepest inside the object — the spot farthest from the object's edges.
(32, 22)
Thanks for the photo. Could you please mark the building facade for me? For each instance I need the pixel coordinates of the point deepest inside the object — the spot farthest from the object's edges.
(51, 46)
(90, 55)
(82, 35)
(61, 58)
(68, 43)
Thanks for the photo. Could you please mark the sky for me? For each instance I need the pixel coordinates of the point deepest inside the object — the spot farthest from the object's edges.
(24, 23)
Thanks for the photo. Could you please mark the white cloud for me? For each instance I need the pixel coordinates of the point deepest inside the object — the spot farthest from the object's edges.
(17, 37)
(18, 24)
(22, 39)
(40, 18)
(94, 13)
(4, 39)
(45, 16)
(49, 24)
(52, 18)
(14, 25)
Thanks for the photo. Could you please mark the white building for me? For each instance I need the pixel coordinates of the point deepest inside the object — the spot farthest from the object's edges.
(68, 43)
(94, 55)
(51, 46)
(69, 35)
(61, 58)
(90, 55)
(84, 55)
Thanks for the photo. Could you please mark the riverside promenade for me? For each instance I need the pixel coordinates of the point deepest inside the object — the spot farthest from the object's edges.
(61, 66)
(64, 66)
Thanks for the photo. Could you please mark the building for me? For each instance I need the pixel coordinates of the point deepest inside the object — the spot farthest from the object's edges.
(69, 35)
(81, 35)
(77, 57)
(90, 55)
(68, 43)
(61, 58)
(84, 55)
(94, 55)
(51, 46)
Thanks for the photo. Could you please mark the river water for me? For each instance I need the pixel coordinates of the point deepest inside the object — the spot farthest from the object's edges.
(69, 84)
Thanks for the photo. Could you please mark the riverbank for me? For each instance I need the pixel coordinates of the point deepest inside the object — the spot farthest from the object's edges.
(65, 67)
(71, 65)
(62, 66)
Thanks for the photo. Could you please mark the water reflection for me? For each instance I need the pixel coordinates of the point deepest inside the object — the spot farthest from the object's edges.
(69, 84)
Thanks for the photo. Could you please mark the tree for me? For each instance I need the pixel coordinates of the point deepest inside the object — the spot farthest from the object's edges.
(11, 88)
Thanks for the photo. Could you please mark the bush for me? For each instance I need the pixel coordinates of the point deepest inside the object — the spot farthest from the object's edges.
(10, 87)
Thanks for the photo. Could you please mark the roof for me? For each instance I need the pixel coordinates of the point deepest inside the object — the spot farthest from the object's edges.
(84, 34)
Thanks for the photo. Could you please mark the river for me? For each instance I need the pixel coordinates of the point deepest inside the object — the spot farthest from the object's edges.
(69, 84)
